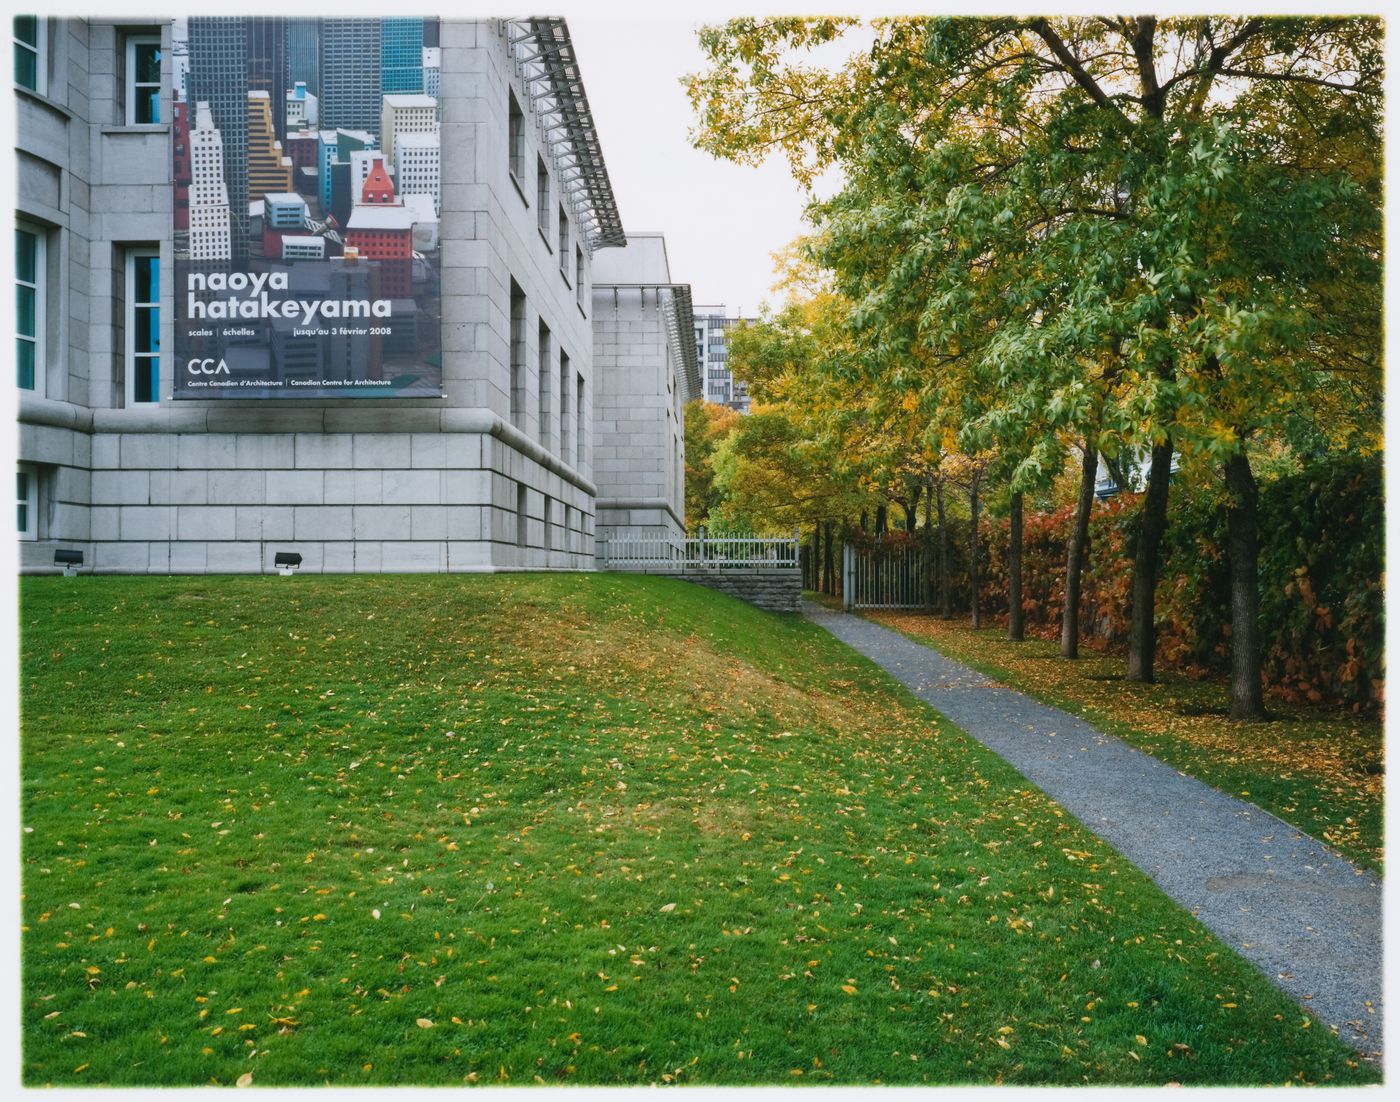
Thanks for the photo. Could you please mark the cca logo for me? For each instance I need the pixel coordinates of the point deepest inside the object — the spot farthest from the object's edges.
(207, 367)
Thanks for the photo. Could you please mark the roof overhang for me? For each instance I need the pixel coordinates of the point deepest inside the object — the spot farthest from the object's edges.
(679, 314)
(544, 55)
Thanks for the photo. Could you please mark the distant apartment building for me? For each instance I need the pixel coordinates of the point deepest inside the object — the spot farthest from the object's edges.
(432, 70)
(180, 138)
(268, 70)
(712, 326)
(401, 55)
(302, 108)
(556, 404)
(350, 74)
(210, 221)
(218, 77)
(418, 166)
(406, 114)
(269, 169)
(299, 247)
(303, 54)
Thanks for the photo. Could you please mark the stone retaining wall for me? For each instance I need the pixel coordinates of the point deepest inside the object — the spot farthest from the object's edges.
(777, 589)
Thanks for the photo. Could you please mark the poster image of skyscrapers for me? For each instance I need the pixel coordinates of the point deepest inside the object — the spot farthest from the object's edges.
(307, 176)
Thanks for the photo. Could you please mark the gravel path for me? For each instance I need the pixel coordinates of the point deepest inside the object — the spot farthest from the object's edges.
(1309, 920)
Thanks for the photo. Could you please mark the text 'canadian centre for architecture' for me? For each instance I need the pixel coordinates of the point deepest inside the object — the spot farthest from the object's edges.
(355, 290)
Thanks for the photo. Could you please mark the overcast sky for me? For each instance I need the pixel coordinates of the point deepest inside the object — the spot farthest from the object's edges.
(722, 221)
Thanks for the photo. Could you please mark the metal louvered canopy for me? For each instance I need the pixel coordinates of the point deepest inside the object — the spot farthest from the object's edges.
(544, 55)
(680, 325)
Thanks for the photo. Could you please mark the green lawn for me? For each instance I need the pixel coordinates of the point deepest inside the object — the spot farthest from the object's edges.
(565, 828)
(1320, 770)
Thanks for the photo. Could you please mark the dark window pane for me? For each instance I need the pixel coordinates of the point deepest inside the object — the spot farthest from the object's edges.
(147, 380)
(147, 63)
(147, 106)
(27, 29)
(146, 330)
(147, 278)
(22, 517)
(24, 310)
(26, 68)
(26, 255)
(24, 357)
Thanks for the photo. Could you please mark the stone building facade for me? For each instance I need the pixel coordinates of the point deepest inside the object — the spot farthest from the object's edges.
(647, 371)
(500, 473)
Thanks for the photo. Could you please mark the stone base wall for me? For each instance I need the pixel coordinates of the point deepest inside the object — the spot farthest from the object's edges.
(195, 502)
(777, 589)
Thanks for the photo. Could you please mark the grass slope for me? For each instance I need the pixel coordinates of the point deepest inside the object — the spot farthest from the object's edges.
(566, 828)
(1320, 771)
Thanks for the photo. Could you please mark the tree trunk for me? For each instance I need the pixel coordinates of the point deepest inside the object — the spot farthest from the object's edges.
(1078, 552)
(1142, 635)
(1015, 615)
(1246, 687)
(813, 580)
(881, 518)
(945, 592)
(828, 565)
(975, 500)
(929, 574)
(1118, 471)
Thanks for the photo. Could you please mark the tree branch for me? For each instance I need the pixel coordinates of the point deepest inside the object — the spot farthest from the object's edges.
(1042, 28)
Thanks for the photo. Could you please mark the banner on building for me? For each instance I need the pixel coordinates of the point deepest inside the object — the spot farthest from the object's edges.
(307, 192)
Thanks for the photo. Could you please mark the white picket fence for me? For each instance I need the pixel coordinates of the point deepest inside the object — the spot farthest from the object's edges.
(701, 552)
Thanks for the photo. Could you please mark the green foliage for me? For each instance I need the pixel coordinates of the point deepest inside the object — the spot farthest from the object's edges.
(1321, 568)
(706, 426)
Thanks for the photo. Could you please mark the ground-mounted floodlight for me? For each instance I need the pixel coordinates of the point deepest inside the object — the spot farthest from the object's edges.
(286, 562)
(69, 560)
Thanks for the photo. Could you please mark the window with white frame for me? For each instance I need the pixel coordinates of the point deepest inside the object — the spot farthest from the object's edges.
(27, 501)
(30, 276)
(142, 325)
(143, 79)
(29, 53)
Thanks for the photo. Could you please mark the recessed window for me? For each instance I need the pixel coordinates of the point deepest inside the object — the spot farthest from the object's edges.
(522, 520)
(566, 441)
(29, 53)
(544, 381)
(563, 243)
(578, 275)
(517, 356)
(26, 501)
(30, 257)
(143, 79)
(516, 133)
(581, 418)
(142, 325)
(542, 198)
(548, 523)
